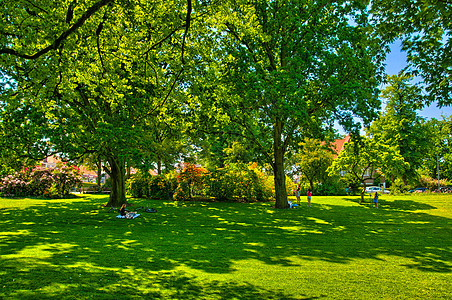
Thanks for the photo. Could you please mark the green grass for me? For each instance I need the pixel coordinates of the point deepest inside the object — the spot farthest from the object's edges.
(337, 249)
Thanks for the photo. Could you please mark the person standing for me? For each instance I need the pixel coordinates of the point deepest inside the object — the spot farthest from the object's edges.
(376, 199)
(309, 197)
(297, 193)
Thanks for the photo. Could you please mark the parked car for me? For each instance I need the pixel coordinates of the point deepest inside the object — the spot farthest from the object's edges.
(373, 189)
(418, 190)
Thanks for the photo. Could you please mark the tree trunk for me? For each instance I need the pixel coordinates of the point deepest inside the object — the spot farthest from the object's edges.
(278, 168)
(118, 188)
(363, 190)
(99, 173)
(405, 179)
(159, 166)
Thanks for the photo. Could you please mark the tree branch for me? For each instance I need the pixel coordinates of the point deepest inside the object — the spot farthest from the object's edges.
(187, 26)
(92, 10)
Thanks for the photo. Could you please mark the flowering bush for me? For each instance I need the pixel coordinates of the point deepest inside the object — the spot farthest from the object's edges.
(190, 180)
(14, 185)
(66, 176)
(236, 182)
(431, 183)
(41, 182)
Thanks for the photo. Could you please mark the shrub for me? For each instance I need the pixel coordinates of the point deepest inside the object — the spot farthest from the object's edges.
(138, 185)
(66, 177)
(240, 182)
(14, 185)
(145, 185)
(190, 179)
(41, 182)
(399, 187)
(431, 183)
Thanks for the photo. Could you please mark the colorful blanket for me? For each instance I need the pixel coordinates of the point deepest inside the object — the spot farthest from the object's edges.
(128, 216)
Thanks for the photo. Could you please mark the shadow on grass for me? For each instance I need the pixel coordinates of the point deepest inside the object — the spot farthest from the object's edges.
(400, 205)
(78, 247)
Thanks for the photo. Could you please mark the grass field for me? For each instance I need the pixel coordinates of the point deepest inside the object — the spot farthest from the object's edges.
(337, 249)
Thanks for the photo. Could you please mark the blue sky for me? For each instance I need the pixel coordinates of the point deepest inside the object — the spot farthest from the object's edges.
(395, 62)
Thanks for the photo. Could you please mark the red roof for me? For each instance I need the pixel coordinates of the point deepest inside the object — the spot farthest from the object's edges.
(338, 144)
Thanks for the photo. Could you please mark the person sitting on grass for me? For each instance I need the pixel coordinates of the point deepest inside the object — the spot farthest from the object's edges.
(122, 210)
(127, 214)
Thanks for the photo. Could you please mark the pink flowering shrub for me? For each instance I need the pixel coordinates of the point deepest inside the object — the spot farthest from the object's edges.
(14, 185)
(38, 181)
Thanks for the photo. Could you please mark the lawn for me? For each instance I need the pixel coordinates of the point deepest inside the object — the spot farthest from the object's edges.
(337, 249)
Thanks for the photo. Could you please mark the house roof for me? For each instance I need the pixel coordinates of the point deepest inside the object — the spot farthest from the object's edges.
(338, 145)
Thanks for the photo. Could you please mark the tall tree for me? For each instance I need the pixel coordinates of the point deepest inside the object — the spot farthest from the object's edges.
(400, 125)
(314, 160)
(281, 70)
(94, 74)
(438, 158)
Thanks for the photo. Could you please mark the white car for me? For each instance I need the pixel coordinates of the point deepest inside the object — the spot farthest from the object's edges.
(373, 189)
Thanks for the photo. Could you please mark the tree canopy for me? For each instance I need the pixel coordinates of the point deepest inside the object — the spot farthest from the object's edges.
(285, 70)
(135, 81)
(425, 29)
(400, 125)
(91, 77)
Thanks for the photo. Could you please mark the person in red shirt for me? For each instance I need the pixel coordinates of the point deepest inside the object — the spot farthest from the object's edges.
(309, 197)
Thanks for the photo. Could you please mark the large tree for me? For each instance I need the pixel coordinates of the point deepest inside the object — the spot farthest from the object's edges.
(400, 125)
(92, 76)
(279, 71)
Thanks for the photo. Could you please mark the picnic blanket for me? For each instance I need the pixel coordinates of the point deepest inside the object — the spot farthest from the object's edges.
(124, 217)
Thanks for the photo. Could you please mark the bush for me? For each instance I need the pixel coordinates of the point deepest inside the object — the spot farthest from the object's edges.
(431, 183)
(333, 188)
(145, 185)
(236, 182)
(41, 182)
(14, 185)
(240, 182)
(190, 180)
(399, 187)
(138, 185)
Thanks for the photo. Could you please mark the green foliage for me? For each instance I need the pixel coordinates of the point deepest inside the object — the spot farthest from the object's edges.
(332, 187)
(401, 127)
(240, 182)
(145, 185)
(425, 29)
(81, 81)
(362, 156)
(439, 155)
(314, 160)
(138, 185)
(278, 71)
(399, 187)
